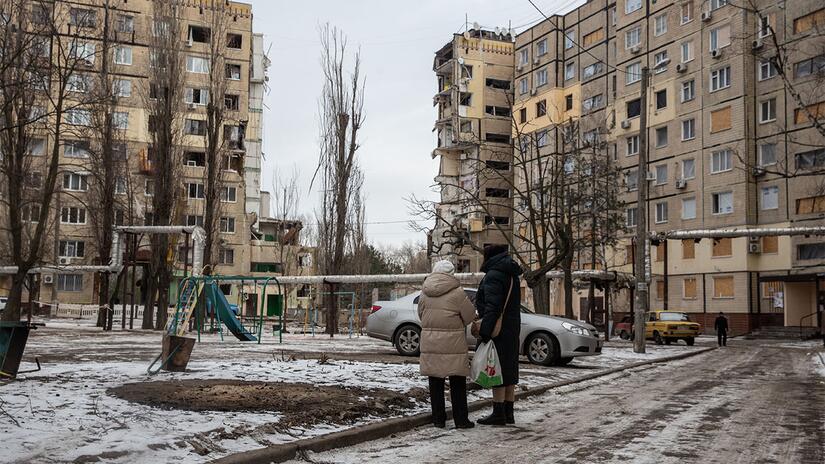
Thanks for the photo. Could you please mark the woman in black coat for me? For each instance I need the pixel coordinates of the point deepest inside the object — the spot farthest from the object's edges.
(501, 277)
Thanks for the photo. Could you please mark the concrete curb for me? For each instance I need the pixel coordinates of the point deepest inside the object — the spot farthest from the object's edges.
(353, 436)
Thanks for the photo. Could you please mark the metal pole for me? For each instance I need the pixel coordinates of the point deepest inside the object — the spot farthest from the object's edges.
(641, 225)
(133, 261)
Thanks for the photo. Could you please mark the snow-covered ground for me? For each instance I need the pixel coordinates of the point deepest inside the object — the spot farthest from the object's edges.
(64, 412)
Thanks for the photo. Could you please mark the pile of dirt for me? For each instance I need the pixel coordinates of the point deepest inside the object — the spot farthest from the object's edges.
(299, 404)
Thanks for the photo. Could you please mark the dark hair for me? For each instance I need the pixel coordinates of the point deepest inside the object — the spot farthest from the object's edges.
(494, 250)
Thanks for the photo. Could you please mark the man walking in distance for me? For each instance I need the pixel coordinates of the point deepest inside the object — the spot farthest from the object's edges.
(721, 326)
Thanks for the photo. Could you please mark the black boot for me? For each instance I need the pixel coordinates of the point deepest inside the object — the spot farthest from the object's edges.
(496, 418)
(437, 402)
(458, 398)
(508, 412)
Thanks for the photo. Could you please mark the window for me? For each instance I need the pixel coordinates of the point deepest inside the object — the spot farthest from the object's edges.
(770, 197)
(569, 39)
(72, 249)
(498, 165)
(233, 71)
(79, 83)
(810, 21)
(723, 287)
(37, 147)
(523, 57)
(592, 70)
(568, 102)
(689, 209)
(30, 213)
(660, 24)
(120, 120)
(522, 115)
(194, 220)
(125, 23)
(630, 217)
(199, 34)
(720, 79)
(810, 159)
(803, 115)
(810, 205)
(569, 165)
(592, 103)
(498, 84)
(688, 129)
(722, 247)
(686, 12)
(687, 51)
(661, 137)
(720, 120)
(689, 288)
(197, 96)
(500, 220)
(233, 102)
(633, 73)
(722, 203)
(123, 55)
(767, 70)
(661, 174)
(716, 4)
(229, 194)
(593, 37)
(721, 161)
(523, 86)
(661, 99)
(541, 47)
(69, 282)
(194, 158)
(76, 149)
(811, 251)
(815, 65)
(120, 151)
(634, 108)
(632, 180)
(688, 90)
(719, 37)
(195, 191)
(122, 87)
(633, 145)
(82, 17)
(226, 256)
(82, 51)
(195, 127)
(120, 185)
(541, 108)
(541, 77)
(149, 188)
(688, 168)
(569, 71)
(633, 38)
(767, 111)
(72, 215)
(234, 41)
(661, 212)
(234, 137)
(632, 5)
(767, 154)
(79, 117)
(491, 192)
(198, 65)
(75, 182)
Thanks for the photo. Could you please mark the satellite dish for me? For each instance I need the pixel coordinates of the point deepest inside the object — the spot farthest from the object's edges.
(467, 35)
(476, 26)
(498, 30)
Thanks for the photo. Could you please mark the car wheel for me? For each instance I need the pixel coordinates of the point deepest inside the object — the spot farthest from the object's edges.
(564, 361)
(657, 338)
(624, 335)
(408, 340)
(690, 341)
(542, 349)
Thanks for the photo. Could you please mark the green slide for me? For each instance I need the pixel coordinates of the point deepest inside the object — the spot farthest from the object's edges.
(227, 315)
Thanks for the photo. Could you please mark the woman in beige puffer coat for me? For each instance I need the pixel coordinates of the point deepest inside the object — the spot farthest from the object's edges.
(445, 312)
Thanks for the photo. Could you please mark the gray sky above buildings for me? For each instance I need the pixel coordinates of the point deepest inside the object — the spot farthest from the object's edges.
(397, 41)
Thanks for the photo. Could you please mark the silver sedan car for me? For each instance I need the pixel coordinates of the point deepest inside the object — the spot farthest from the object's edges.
(545, 340)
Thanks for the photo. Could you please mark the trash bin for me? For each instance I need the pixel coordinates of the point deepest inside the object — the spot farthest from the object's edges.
(13, 338)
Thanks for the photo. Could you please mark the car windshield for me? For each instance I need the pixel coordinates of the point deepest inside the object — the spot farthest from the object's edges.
(673, 317)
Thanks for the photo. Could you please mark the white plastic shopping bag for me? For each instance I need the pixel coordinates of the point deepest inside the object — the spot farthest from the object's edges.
(486, 369)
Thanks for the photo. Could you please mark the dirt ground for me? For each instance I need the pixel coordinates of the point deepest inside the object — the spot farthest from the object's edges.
(297, 404)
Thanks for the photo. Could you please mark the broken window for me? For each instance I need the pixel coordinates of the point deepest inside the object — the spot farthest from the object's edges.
(466, 72)
(195, 127)
(498, 84)
(199, 34)
(498, 165)
(233, 163)
(194, 158)
(233, 71)
(197, 96)
(501, 111)
(233, 136)
(465, 99)
(234, 41)
(497, 138)
(500, 220)
(232, 102)
(497, 193)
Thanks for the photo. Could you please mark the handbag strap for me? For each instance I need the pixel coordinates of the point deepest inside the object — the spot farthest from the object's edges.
(506, 301)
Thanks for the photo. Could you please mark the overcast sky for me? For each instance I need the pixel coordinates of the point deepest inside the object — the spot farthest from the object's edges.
(397, 41)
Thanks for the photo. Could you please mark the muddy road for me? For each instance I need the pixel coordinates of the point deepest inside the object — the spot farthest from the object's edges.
(750, 402)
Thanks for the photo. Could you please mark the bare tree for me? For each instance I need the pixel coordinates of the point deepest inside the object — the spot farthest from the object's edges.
(341, 109)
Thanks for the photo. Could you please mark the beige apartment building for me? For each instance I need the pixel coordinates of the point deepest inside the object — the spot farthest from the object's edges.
(728, 144)
(474, 101)
(243, 248)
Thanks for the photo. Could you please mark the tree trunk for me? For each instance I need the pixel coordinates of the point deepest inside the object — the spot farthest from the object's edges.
(331, 304)
(15, 302)
(568, 284)
(149, 297)
(541, 295)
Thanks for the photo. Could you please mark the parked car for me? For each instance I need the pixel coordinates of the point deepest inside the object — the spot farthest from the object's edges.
(624, 328)
(662, 327)
(545, 340)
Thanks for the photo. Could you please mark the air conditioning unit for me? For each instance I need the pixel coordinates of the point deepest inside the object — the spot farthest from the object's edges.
(756, 44)
(753, 239)
(189, 43)
(536, 60)
(48, 279)
(65, 261)
(192, 106)
(681, 183)
(706, 16)
(757, 172)
(716, 53)
(533, 92)
(192, 163)
(754, 248)
(651, 176)
(681, 67)
(635, 50)
(626, 124)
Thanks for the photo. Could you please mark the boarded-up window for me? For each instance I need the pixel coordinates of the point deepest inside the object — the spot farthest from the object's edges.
(720, 120)
(770, 244)
(771, 288)
(809, 21)
(628, 254)
(723, 287)
(689, 288)
(593, 37)
(817, 111)
(810, 205)
(660, 289)
(688, 249)
(722, 247)
(660, 251)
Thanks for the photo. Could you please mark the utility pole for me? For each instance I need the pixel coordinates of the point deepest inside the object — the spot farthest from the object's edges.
(640, 263)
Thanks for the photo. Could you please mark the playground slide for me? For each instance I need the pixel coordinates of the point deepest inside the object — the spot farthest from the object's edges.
(227, 316)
